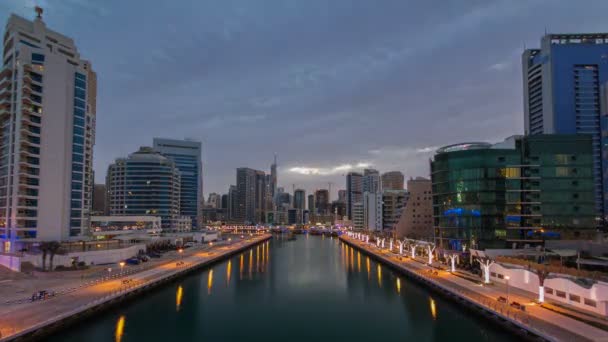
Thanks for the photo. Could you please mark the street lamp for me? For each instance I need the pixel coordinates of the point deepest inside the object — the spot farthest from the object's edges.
(109, 271)
(122, 265)
(507, 279)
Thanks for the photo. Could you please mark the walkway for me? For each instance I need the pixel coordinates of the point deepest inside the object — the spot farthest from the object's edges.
(16, 319)
(548, 323)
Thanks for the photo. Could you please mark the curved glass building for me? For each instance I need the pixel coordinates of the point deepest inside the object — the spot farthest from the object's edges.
(145, 183)
(520, 192)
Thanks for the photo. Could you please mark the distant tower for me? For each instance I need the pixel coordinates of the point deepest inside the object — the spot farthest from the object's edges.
(273, 181)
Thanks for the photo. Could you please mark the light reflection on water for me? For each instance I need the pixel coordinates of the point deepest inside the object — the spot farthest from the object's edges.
(305, 276)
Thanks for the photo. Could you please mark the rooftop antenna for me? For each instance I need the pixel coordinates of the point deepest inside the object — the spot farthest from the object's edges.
(39, 11)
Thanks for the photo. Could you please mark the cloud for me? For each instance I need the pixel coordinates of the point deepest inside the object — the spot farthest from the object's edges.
(305, 170)
(498, 66)
(222, 121)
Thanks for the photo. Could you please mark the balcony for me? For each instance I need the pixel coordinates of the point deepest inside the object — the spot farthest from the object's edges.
(6, 72)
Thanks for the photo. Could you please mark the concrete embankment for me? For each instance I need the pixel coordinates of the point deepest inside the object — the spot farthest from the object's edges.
(519, 323)
(137, 284)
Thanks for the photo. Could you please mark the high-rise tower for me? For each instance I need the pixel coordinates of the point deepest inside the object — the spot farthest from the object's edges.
(47, 119)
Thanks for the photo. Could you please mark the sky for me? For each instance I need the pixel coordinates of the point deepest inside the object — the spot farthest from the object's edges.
(329, 86)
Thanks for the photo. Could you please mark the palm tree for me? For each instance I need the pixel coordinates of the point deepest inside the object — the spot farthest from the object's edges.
(44, 248)
(54, 248)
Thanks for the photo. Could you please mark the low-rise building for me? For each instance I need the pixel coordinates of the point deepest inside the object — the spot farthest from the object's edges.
(416, 220)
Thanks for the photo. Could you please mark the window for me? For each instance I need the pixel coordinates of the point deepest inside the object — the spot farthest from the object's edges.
(37, 58)
(575, 298)
(560, 294)
(590, 302)
(561, 171)
(548, 290)
(79, 103)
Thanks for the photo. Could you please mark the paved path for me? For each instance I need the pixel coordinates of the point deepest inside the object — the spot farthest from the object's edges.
(553, 325)
(18, 318)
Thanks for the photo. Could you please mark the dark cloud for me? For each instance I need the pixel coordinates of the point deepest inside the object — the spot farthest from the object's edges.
(322, 83)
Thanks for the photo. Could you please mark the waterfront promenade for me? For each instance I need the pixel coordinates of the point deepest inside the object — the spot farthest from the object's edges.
(31, 318)
(535, 319)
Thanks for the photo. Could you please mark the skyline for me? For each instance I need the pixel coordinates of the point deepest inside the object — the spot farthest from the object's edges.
(239, 75)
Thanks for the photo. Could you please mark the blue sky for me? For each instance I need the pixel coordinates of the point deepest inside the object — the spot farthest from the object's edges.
(327, 85)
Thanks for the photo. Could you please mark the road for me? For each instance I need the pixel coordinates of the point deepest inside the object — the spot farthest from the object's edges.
(19, 317)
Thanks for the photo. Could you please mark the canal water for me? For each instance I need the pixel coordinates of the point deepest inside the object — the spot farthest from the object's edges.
(312, 289)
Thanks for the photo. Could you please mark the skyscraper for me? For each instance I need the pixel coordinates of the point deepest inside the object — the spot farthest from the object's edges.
(145, 183)
(232, 203)
(372, 211)
(311, 203)
(392, 180)
(562, 95)
(342, 196)
(251, 191)
(354, 191)
(273, 183)
(322, 206)
(46, 169)
(299, 199)
(187, 157)
(371, 181)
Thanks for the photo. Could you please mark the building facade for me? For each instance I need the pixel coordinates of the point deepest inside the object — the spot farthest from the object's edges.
(372, 211)
(321, 205)
(99, 200)
(251, 195)
(186, 154)
(354, 192)
(311, 203)
(521, 192)
(371, 181)
(392, 180)
(46, 177)
(145, 183)
(416, 219)
(358, 218)
(393, 202)
(299, 199)
(562, 95)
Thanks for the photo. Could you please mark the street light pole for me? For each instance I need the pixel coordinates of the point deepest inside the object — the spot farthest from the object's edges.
(507, 279)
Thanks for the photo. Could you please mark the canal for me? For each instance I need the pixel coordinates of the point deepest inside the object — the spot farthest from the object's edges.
(312, 289)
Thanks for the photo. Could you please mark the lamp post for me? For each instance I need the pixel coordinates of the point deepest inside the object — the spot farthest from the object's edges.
(122, 265)
(507, 279)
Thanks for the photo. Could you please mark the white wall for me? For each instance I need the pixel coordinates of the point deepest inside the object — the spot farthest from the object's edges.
(11, 261)
(90, 257)
(526, 280)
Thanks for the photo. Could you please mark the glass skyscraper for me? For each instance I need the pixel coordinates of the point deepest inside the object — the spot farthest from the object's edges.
(563, 83)
(519, 192)
(187, 157)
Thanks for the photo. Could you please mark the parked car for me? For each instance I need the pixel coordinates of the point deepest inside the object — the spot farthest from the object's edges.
(154, 255)
(133, 261)
(143, 257)
(189, 244)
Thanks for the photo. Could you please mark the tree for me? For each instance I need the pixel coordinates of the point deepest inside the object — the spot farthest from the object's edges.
(453, 258)
(44, 248)
(485, 264)
(430, 249)
(54, 248)
(542, 273)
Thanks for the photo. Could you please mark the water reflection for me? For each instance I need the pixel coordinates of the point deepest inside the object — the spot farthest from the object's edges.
(379, 275)
(398, 286)
(369, 272)
(250, 263)
(209, 282)
(228, 272)
(241, 267)
(178, 298)
(358, 261)
(433, 308)
(120, 327)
